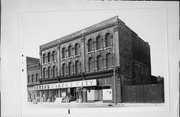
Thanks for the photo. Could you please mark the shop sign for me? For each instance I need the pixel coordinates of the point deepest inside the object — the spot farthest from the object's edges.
(66, 85)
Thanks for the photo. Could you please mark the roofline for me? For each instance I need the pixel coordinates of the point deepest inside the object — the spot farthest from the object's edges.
(28, 57)
(98, 26)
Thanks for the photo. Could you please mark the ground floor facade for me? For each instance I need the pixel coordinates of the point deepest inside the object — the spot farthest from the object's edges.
(80, 91)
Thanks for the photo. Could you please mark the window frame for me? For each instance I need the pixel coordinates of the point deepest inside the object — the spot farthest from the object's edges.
(63, 52)
(90, 45)
(49, 57)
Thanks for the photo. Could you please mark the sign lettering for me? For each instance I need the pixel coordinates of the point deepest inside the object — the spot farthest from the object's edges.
(66, 85)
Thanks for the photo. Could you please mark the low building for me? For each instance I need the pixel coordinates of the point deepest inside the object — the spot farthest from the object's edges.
(92, 64)
(33, 74)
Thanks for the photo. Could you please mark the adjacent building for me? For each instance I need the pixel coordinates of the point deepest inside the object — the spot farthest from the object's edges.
(33, 74)
(92, 64)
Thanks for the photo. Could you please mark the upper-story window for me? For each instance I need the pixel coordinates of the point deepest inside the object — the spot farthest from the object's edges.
(44, 72)
(63, 52)
(36, 77)
(90, 64)
(53, 55)
(70, 68)
(77, 49)
(98, 43)
(77, 67)
(49, 56)
(69, 51)
(28, 78)
(48, 72)
(53, 71)
(44, 57)
(63, 69)
(90, 44)
(108, 39)
(108, 60)
(32, 78)
(99, 62)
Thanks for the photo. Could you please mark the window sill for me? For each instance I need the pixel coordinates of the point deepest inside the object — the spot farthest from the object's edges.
(77, 55)
(90, 52)
(99, 50)
(109, 47)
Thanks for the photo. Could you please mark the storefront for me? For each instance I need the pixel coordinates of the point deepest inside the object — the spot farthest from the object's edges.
(33, 94)
(79, 91)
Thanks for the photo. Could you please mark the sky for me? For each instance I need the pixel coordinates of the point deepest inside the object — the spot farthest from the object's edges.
(37, 28)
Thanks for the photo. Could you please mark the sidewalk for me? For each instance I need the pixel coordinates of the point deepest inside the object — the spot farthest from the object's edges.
(95, 104)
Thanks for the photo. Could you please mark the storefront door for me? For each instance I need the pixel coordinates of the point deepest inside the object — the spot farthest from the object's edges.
(73, 94)
(79, 95)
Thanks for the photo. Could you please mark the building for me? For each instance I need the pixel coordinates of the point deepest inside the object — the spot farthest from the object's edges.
(92, 64)
(33, 74)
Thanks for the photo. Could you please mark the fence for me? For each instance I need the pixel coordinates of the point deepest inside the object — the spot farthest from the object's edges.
(151, 93)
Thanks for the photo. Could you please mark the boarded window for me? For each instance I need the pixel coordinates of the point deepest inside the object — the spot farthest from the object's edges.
(90, 64)
(77, 67)
(70, 68)
(99, 62)
(98, 42)
(108, 60)
(77, 49)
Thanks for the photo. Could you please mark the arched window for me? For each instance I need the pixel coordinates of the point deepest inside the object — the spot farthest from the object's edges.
(63, 52)
(108, 40)
(108, 60)
(44, 57)
(28, 78)
(76, 49)
(36, 77)
(77, 67)
(69, 51)
(53, 71)
(32, 78)
(63, 69)
(90, 64)
(70, 68)
(99, 62)
(44, 72)
(48, 72)
(98, 42)
(53, 56)
(90, 43)
(49, 56)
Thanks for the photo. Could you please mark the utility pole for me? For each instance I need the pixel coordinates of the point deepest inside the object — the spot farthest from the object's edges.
(114, 73)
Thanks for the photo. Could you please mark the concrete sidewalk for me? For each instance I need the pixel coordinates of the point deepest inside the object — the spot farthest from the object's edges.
(94, 104)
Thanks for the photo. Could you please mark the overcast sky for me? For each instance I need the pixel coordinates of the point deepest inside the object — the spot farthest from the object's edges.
(37, 28)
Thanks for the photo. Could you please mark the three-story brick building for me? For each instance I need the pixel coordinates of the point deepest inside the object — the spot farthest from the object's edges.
(92, 64)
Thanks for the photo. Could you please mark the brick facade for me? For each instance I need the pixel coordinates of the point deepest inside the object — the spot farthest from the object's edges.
(33, 75)
(95, 53)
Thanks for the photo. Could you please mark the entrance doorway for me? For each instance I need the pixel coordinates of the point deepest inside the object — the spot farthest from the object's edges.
(72, 94)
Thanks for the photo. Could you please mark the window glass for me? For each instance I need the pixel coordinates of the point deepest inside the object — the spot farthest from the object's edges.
(90, 45)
